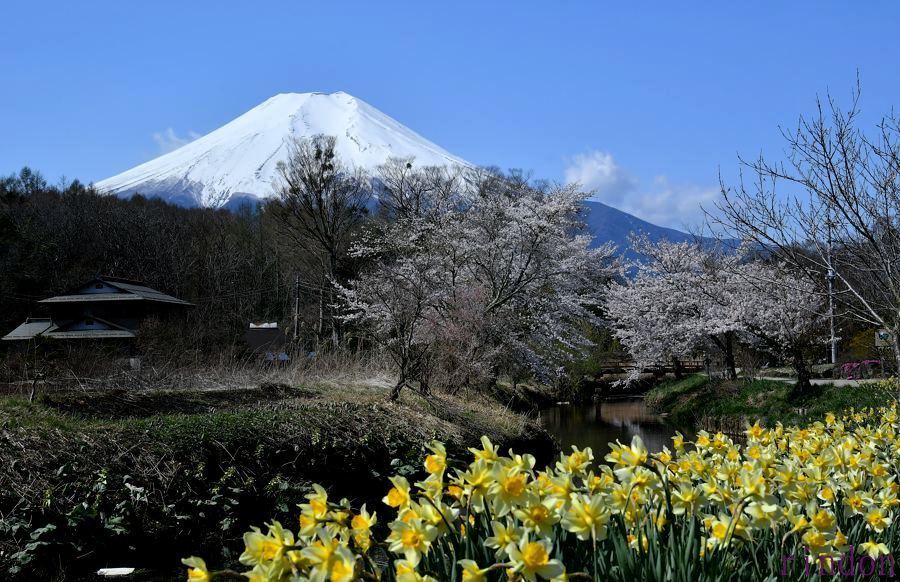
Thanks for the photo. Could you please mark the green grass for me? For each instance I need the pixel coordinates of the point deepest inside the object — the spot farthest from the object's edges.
(17, 413)
(664, 395)
(696, 399)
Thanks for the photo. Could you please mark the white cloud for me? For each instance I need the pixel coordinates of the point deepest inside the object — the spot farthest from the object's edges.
(664, 203)
(677, 205)
(167, 140)
(598, 171)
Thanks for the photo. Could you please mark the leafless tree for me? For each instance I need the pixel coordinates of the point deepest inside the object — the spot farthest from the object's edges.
(407, 191)
(322, 205)
(829, 210)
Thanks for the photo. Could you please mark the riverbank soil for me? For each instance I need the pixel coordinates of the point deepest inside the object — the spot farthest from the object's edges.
(731, 405)
(118, 478)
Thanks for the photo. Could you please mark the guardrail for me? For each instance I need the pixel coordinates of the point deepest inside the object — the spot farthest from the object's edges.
(627, 366)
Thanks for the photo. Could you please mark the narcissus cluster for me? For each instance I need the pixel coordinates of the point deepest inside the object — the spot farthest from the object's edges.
(711, 504)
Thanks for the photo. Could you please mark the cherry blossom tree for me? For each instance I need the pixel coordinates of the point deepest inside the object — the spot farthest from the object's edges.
(781, 310)
(397, 299)
(496, 252)
(684, 297)
(677, 301)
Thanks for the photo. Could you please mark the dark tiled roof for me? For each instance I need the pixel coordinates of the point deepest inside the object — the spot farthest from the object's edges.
(91, 333)
(30, 329)
(130, 291)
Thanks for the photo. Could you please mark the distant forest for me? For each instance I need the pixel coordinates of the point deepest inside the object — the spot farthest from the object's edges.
(230, 264)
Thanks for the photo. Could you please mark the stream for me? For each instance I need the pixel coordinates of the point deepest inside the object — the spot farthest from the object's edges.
(597, 424)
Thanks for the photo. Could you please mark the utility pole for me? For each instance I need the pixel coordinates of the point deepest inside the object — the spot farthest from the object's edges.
(296, 307)
(833, 339)
(830, 279)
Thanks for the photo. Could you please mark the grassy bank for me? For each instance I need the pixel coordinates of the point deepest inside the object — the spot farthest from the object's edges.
(697, 400)
(117, 478)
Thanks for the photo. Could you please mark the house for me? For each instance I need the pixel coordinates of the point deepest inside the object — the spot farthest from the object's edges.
(102, 308)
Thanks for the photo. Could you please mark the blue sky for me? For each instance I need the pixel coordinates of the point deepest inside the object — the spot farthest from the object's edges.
(644, 102)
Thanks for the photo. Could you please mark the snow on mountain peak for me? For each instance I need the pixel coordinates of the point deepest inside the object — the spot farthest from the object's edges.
(238, 160)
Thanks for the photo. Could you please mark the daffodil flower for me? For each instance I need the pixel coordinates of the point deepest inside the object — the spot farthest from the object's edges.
(471, 572)
(586, 517)
(197, 571)
(412, 539)
(531, 559)
(398, 496)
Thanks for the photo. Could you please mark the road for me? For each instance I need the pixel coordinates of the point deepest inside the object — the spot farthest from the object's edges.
(821, 381)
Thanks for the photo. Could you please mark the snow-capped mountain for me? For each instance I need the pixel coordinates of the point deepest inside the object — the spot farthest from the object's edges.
(237, 161)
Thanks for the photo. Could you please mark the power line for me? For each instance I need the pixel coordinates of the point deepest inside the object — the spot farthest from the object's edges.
(270, 289)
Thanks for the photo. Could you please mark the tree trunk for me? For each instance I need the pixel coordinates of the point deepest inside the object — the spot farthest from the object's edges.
(676, 368)
(728, 350)
(330, 279)
(895, 345)
(321, 324)
(395, 391)
(803, 387)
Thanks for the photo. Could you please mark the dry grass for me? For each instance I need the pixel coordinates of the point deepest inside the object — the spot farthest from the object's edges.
(96, 370)
(184, 436)
(330, 379)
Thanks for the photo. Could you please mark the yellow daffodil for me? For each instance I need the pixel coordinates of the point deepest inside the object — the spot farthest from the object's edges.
(586, 517)
(531, 559)
(411, 539)
(877, 520)
(686, 500)
(505, 536)
(471, 572)
(197, 571)
(797, 482)
(398, 496)
(404, 571)
(330, 560)
(264, 549)
(874, 549)
(509, 489)
(487, 452)
(536, 516)
(576, 461)
(436, 462)
(634, 455)
(361, 528)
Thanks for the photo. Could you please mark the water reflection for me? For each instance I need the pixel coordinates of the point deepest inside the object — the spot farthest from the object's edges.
(596, 425)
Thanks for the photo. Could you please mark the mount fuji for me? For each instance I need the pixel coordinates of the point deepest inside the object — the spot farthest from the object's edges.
(237, 162)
